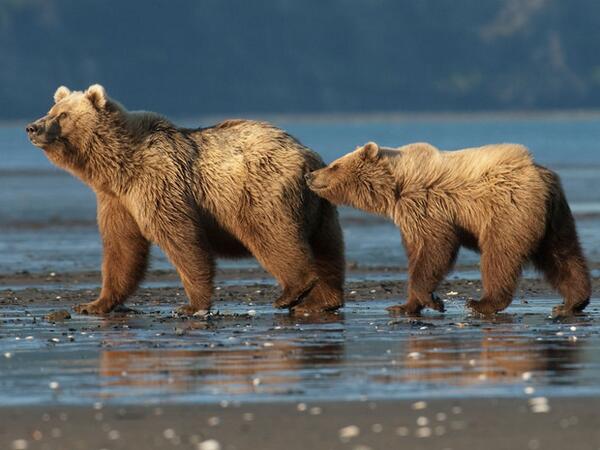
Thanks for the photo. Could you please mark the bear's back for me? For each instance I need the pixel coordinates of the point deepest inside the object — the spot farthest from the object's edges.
(491, 155)
(422, 165)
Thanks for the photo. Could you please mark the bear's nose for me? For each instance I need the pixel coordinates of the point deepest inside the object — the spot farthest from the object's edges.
(32, 128)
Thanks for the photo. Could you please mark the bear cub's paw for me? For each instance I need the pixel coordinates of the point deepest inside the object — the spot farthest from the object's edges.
(481, 307)
(435, 303)
(407, 309)
(563, 311)
(311, 308)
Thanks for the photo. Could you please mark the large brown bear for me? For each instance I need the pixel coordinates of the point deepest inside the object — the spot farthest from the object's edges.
(234, 189)
(494, 199)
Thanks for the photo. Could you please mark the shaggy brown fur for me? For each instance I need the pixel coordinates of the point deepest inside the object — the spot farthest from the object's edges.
(493, 199)
(235, 189)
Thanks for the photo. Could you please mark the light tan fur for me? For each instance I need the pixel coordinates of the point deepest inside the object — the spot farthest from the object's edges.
(235, 189)
(494, 199)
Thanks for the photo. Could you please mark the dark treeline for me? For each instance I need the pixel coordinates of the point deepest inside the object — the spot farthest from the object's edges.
(187, 58)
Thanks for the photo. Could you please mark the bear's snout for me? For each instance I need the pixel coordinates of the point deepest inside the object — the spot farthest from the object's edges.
(315, 180)
(33, 128)
(43, 131)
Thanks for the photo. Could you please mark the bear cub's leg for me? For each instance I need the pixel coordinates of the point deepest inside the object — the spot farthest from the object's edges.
(428, 262)
(561, 259)
(124, 259)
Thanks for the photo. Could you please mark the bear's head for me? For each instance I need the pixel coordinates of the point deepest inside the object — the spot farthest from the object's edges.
(71, 120)
(362, 179)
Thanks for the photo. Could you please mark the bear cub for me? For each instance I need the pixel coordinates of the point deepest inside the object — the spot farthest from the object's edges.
(492, 199)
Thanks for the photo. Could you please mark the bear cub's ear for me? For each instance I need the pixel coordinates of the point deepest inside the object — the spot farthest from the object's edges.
(61, 93)
(97, 95)
(370, 150)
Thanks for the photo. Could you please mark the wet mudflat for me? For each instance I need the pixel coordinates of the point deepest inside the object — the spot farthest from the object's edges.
(249, 351)
(249, 363)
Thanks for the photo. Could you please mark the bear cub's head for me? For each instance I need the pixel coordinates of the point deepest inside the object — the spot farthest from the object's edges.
(72, 118)
(360, 179)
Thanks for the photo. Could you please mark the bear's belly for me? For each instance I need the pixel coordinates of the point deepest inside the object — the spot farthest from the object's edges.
(468, 239)
(224, 243)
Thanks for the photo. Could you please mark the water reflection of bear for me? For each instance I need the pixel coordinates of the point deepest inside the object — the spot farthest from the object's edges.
(265, 365)
(496, 356)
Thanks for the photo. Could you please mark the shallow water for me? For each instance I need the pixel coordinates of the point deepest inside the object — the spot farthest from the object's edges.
(252, 353)
(47, 218)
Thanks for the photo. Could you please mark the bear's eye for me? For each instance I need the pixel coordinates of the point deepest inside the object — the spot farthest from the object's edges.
(335, 167)
(62, 115)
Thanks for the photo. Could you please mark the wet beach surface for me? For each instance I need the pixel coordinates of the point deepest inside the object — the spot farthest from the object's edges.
(69, 381)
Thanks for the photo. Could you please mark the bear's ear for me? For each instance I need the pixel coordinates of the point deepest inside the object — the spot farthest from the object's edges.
(61, 93)
(370, 150)
(97, 95)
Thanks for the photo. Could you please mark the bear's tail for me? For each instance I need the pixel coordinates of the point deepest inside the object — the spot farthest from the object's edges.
(559, 255)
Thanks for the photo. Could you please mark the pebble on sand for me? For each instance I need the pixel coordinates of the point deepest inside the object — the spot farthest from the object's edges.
(19, 444)
(209, 444)
(423, 432)
(315, 411)
(301, 407)
(349, 432)
(214, 421)
(539, 405)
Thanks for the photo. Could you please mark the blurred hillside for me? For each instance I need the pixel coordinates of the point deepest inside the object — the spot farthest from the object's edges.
(186, 58)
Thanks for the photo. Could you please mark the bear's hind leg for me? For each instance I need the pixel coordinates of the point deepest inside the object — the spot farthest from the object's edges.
(327, 246)
(561, 259)
(500, 272)
(288, 258)
(124, 256)
(428, 262)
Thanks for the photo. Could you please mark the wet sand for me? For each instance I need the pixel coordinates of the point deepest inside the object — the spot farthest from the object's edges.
(363, 284)
(254, 377)
(456, 424)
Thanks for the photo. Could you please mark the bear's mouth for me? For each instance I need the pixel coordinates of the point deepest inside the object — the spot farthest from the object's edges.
(41, 143)
(42, 140)
(316, 185)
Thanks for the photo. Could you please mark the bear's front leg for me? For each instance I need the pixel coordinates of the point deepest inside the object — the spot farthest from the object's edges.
(124, 256)
(185, 244)
(428, 262)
